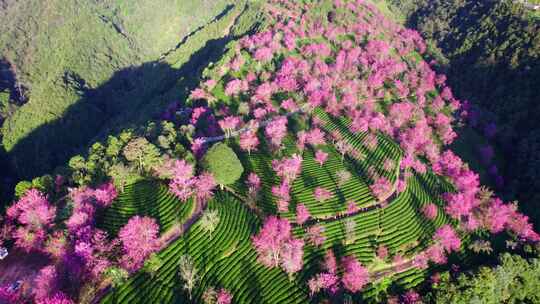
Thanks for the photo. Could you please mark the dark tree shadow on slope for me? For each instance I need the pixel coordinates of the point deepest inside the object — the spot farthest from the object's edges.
(131, 97)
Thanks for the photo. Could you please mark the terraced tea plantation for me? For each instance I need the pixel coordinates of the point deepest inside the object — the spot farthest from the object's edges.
(226, 258)
(147, 198)
(385, 230)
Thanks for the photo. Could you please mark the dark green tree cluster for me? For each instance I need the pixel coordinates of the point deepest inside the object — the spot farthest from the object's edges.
(130, 155)
(223, 164)
(515, 280)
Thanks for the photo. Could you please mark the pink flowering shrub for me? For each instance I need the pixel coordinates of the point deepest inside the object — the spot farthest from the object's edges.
(302, 214)
(58, 298)
(288, 168)
(224, 297)
(321, 157)
(9, 296)
(315, 235)
(139, 238)
(323, 281)
(355, 276)
(105, 194)
(381, 188)
(253, 183)
(276, 247)
(182, 182)
(382, 252)
(276, 130)
(249, 141)
(315, 137)
(35, 215)
(447, 238)
(321, 194)
(430, 211)
(229, 124)
(411, 297)
(46, 283)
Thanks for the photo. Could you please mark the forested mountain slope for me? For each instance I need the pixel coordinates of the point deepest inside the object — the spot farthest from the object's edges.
(86, 65)
(490, 51)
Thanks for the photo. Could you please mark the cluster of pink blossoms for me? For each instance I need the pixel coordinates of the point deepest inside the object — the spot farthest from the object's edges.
(183, 184)
(276, 247)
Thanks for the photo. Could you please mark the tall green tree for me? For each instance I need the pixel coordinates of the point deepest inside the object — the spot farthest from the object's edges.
(221, 161)
(141, 152)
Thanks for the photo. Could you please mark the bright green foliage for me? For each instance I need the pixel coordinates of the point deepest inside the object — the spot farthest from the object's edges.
(78, 169)
(221, 161)
(43, 183)
(209, 221)
(121, 174)
(515, 280)
(227, 260)
(7, 108)
(21, 188)
(116, 275)
(152, 264)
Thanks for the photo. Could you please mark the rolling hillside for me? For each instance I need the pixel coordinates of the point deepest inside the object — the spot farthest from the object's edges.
(282, 152)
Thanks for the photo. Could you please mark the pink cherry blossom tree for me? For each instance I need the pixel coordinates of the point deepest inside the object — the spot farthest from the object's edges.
(58, 298)
(411, 297)
(281, 192)
(382, 252)
(204, 186)
(276, 130)
(315, 137)
(381, 188)
(105, 194)
(292, 256)
(352, 207)
(330, 263)
(276, 247)
(288, 168)
(355, 276)
(249, 141)
(139, 238)
(435, 253)
(182, 181)
(35, 216)
(321, 157)
(321, 194)
(315, 235)
(46, 283)
(323, 281)
(229, 124)
(430, 211)
(302, 214)
(447, 237)
(224, 297)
